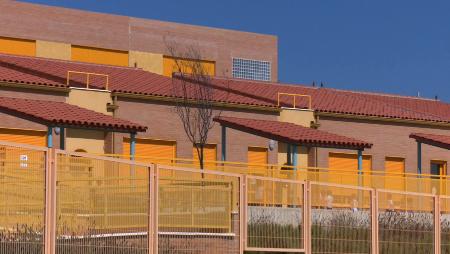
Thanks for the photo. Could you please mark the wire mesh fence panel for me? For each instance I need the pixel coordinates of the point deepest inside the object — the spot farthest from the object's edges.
(22, 195)
(102, 206)
(274, 214)
(405, 222)
(445, 224)
(198, 212)
(340, 219)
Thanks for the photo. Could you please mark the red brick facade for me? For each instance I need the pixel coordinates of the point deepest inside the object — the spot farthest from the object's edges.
(128, 33)
(389, 139)
(164, 123)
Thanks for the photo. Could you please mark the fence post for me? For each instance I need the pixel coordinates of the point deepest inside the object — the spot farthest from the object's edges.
(437, 224)
(153, 209)
(307, 217)
(243, 207)
(374, 220)
(50, 202)
(150, 213)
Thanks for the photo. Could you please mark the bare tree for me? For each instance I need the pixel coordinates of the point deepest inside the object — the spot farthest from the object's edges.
(195, 92)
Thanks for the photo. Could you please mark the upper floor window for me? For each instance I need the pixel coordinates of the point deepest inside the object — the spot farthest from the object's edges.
(173, 64)
(251, 69)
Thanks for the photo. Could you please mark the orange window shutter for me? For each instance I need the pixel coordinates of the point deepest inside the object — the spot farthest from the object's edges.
(99, 56)
(170, 66)
(394, 168)
(17, 46)
(150, 150)
(257, 155)
(344, 168)
(29, 137)
(209, 153)
(257, 158)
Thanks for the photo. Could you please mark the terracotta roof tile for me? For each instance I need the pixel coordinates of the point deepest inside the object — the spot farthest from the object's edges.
(291, 133)
(432, 139)
(63, 114)
(48, 72)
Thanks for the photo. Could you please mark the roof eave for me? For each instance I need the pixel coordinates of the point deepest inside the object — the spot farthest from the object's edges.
(289, 140)
(383, 119)
(216, 104)
(431, 142)
(41, 87)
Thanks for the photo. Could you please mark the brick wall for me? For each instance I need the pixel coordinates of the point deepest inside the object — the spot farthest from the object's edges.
(164, 123)
(389, 139)
(10, 121)
(126, 33)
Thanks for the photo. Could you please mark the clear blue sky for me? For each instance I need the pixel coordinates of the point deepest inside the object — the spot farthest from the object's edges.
(400, 47)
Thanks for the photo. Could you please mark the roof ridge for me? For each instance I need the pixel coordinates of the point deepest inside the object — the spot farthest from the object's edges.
(401, 107)
(384, 94)
(393, 95)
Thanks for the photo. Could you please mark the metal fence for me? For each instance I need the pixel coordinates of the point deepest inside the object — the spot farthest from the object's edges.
(53, 201)
(377, 179)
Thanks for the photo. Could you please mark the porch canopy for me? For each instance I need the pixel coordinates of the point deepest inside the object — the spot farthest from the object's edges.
(436, 140)
(63, 115)
(292, 134)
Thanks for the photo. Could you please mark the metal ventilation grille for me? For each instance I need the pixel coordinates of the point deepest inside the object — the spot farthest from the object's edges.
(251, 69)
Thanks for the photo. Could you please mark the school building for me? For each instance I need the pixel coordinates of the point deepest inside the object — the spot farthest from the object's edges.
(111, 75)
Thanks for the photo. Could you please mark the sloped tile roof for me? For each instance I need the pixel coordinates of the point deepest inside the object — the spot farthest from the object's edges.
(291, 133)
(53, 73)
(63, 114)
(432, 139)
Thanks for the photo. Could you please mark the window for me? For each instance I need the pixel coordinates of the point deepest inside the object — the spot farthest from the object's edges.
(438, 167)
(251, 69)
(395, 170)
(344, 168)
(170, 66)
(209, 155)
(152, 150)
(17, 46)
(99, 56)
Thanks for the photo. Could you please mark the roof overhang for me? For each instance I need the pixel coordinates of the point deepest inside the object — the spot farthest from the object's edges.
(292, 133)
(436, 140)
(61, 114)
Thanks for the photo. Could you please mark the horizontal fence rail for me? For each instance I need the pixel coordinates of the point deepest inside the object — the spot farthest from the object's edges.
(377, 179)
(53, 201)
